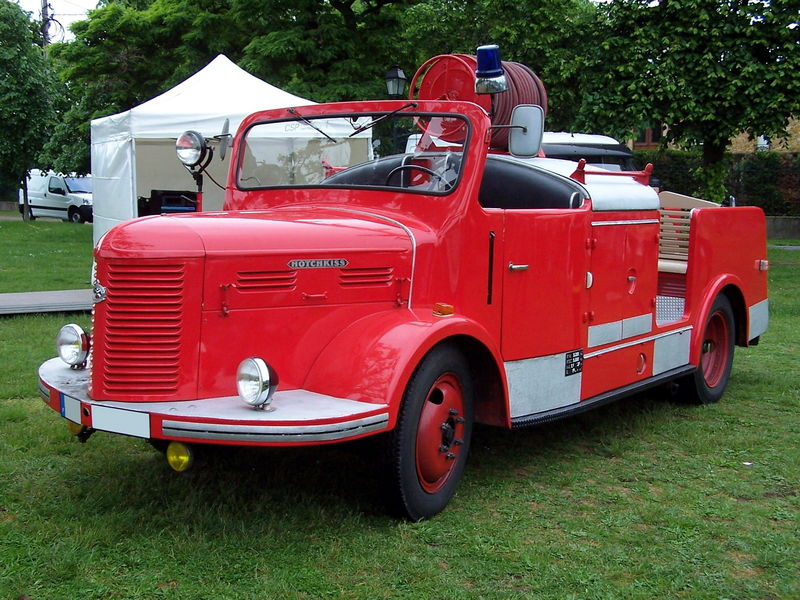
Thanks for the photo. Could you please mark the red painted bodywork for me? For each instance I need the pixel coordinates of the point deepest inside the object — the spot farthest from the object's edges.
(208, 290)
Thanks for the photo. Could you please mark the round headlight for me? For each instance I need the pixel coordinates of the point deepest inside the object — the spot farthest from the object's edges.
(191, 148)
(72, 345)
(256, 382)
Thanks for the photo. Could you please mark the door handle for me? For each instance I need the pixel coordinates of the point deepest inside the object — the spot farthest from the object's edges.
(512, 267)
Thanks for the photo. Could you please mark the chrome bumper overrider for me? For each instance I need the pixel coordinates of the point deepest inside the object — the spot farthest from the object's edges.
(298, 416)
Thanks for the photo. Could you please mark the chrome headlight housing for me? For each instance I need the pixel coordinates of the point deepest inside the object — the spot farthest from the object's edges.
(72, 345)
(191, 148)
(256, 382)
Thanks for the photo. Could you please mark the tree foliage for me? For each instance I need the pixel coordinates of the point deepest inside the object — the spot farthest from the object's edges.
(707, 69)
(128, 51)
(549, 36)
(25, 83)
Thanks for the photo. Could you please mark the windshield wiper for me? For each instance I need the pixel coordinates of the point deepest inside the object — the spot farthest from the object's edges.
(374, 122)
(310, 124)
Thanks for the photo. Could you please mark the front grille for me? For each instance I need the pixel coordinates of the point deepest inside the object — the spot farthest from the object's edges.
(143, 329)
(371, 276)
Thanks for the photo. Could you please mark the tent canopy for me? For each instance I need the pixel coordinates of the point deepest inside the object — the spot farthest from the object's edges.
(133, 152)
(219, 91)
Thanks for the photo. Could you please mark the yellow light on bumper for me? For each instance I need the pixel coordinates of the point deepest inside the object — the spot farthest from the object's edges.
(180, 456)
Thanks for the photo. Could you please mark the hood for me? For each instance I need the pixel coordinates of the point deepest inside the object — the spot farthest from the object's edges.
(279, 257)
(251, 233)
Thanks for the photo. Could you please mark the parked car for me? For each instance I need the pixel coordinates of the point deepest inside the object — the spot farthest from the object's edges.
(598, 151)
(66, 197)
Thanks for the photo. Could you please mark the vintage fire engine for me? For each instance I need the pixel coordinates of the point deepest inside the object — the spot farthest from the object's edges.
(406, 269)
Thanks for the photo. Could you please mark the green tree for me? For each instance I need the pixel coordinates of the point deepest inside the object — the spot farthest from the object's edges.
(128, 51)
(25, 83)
(123, 54)
(549, 36)
(707, 69)
(324, 50)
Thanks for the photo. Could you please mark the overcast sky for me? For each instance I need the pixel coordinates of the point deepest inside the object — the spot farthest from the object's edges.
(63, 11)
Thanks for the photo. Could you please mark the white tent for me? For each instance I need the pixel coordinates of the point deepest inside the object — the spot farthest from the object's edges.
(133, 152)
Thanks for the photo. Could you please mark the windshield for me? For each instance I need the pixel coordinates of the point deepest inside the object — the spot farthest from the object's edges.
(79, 184)
(400, 150)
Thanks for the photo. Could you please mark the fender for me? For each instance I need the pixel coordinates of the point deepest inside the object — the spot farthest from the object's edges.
(712, 289)
(373, 358)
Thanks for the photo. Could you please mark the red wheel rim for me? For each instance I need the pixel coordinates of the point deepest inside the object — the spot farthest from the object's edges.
(715, 349)
(440, 433)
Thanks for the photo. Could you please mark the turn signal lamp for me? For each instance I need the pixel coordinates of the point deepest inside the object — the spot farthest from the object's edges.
(256, 382)
(72, 345)
(442, 309)
(180, 456)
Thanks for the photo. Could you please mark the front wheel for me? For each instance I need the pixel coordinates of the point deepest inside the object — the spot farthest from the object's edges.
(74, 216)
(709, 381)
(429, 445)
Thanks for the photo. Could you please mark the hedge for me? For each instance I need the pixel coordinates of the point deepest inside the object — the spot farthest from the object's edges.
(770, 180)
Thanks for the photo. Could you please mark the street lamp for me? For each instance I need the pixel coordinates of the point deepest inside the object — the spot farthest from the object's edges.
(395, 82)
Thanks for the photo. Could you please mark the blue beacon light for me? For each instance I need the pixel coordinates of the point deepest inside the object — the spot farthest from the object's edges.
(489, 76)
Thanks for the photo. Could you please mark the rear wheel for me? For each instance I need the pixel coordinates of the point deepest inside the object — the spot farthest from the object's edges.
(429, 445)
(709, 381)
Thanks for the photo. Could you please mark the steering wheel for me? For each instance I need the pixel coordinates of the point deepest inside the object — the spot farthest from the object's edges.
(418, 168)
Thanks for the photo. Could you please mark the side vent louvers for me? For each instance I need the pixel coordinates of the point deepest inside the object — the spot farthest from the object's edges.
(266, 281)
(366, 277)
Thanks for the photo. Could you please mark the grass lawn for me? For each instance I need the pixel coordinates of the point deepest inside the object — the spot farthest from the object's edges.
(44, 255)
(643, 499)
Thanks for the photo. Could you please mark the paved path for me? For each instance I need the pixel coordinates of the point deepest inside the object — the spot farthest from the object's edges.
(38, 302)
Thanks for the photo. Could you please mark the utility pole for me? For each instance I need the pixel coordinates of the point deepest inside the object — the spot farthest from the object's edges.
(45, 24)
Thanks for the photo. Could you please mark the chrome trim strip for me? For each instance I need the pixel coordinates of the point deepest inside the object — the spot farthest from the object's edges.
(759, 319)
(671, 351)
(404, 228)
(634, 342)
(540, 384)
(639, 325)
(277, 433)
(614, 331)
(631, 222)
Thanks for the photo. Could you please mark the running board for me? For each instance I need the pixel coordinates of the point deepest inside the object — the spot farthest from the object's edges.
(599, 400)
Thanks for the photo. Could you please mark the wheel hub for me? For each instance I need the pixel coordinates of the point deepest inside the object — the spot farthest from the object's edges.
(440, 433)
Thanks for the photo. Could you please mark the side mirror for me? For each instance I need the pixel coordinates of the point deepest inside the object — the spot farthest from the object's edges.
(527, 127)
(224, 139)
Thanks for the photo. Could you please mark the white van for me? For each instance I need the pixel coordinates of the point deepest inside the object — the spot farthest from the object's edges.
(64, 197)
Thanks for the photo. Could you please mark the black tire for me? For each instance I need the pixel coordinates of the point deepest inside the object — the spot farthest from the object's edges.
(74, 216)
(428, 448)
(707, 384)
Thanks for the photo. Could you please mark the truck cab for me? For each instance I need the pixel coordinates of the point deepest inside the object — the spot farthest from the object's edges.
(357, 285)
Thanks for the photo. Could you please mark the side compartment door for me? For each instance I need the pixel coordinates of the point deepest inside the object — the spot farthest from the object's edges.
(623, 283)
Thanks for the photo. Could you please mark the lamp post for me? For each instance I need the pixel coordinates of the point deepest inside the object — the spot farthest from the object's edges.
(395, 88)
(395, 82)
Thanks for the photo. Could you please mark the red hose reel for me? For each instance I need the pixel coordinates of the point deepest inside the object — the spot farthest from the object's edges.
(452, 77)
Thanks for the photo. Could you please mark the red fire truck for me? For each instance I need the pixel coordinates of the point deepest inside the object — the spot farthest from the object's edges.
(354, 286)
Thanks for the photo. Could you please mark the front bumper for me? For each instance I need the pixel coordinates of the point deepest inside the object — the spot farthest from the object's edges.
(299, 416)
